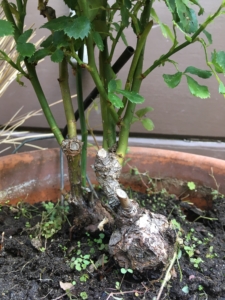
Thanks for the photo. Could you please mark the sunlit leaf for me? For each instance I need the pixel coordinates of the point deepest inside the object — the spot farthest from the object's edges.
(98, 40)
(196, 89)
(132, 96)
(208, 36)
(6, 28)
(148, 124)
(219, 60)
(221, 88)
(218, 68)
(166, 31)
(134, 119)
(143, 111)
(112, 86)
(172, 80)
(198, 72)
(115, 100)
(188, 19)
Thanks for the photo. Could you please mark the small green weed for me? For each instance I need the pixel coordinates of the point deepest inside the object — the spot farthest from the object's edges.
(81, 262)
(191, 185)
(84, 295)
(196, 261)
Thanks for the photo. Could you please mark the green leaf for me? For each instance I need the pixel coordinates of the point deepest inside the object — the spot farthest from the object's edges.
(18, 79)
(26, 49)
(6, 28)
(38, 55)
(172, 80)
(196, 89)
(171, 5)
(123, 37)
(70, 3)
(188, 19)
(60, 39)
(200, 73)
(221, 88)
(143, 111)
(57, 56)
(118, 83)
(132, 96)
(47, 42)
(117, 28)
(79, 28)
(112, 86)
(220, 60)
(58, 24)
(148, 124)
(124, 15)
(218, 68)
(25, 36)
(134, 119)
(208, 36)
(98, 40)
(191, 185)
(166, 31)
(115, 100)
(127, 4)
(123, 270)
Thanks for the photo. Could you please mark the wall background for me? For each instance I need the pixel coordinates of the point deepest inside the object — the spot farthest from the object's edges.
(176, 114)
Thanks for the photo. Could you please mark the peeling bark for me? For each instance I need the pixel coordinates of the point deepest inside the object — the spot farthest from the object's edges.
(107, 170)
(72, 150)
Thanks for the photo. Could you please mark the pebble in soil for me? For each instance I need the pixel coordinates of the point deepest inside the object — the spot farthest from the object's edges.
(27, 273)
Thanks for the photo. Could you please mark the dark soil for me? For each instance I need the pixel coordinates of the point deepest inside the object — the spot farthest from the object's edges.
(27, 273)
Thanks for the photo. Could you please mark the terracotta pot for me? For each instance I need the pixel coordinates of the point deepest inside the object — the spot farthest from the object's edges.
(35, 176)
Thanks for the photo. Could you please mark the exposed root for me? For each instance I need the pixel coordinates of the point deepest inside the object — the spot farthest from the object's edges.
(143, 240)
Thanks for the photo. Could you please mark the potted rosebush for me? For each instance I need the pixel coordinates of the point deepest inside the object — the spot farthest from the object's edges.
(93, 26)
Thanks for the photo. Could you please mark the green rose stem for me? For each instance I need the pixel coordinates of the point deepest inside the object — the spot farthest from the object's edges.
(84, 132)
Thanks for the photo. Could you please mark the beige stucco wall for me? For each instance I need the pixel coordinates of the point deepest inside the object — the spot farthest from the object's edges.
(176, 112)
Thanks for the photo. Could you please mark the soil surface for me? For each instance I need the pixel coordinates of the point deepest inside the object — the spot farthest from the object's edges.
(75, 265)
